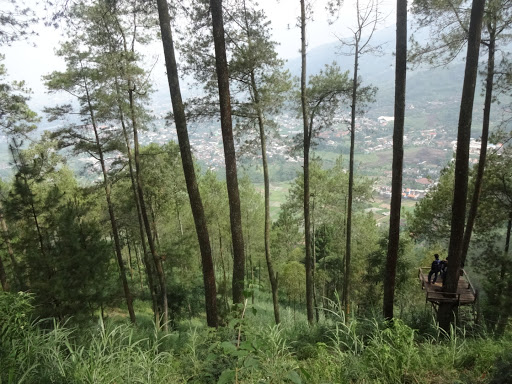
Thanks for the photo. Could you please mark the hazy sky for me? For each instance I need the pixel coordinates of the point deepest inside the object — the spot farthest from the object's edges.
(29, 63)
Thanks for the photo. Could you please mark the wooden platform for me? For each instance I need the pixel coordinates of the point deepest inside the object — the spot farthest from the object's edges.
(466, 294)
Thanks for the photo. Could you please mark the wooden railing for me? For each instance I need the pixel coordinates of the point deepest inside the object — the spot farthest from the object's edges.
(470, 286)
(435, 295)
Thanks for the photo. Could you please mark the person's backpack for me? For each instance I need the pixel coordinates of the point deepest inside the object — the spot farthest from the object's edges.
(436, 266)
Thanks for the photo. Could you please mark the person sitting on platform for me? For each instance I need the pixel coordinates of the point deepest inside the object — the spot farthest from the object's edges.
(444, 270)
(443, 267)
(435, 268)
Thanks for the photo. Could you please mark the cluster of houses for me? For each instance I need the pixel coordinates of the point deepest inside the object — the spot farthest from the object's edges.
(407, 193)
(475, 145)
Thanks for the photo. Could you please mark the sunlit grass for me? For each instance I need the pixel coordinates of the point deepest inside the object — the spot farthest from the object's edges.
(251, 349)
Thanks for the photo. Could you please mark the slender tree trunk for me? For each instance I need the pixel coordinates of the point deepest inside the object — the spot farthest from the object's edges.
(266, 181)
(224, 268)
(145, 217)
(138, 182)
(398, 158)
(149, 265)
(40, 238)
(113, 222)
(196, 203)
(313, 250)
(249, 256)
(259, 273)
(504, 297)
(229, 151)
(178, 216)
(137, 259)
(338, 285)
(445, 312)
(10, 252)
(483, 146)
(36, 222)
(307, 143)
(115, 232)
(246, 245)
(348, 244)
(3, 277)
(130, 267)
(154, 228)
(506, 311)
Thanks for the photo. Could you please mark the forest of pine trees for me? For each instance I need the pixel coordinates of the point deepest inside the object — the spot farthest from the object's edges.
(141, 265)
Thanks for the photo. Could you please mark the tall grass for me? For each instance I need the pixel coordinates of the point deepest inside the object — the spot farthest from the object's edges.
(339, 350)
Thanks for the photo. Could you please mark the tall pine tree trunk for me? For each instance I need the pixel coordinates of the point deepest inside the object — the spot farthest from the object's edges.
(113, 222)
(138, 181)
(483, 145)
(196, 203)
(445, 314)
(348, 244)
(505, 297)
(3, 277)
(154, 228)
(157, 260)
(313, 256)
(398, 158)
(229, 151)
(307, 143)
(36, 221)
(149, 265)
(266, 182)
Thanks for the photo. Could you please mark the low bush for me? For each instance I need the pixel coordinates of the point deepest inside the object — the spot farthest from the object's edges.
(244, 351)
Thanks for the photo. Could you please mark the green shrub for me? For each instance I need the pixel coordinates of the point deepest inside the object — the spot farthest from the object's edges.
(390, 353)
(502, 372)
(248, 350)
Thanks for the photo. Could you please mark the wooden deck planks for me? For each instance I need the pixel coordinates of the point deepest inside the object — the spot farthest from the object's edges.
(465, 295)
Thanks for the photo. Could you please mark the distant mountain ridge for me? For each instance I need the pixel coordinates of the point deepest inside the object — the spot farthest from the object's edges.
(423, 84)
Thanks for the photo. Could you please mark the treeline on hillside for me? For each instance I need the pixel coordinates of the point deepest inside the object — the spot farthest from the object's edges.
(59, 243)
(153, 227)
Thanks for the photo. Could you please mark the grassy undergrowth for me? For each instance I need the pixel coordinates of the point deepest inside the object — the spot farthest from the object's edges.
(247, 350)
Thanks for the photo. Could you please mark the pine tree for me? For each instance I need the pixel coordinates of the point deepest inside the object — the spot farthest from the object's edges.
(398, 158)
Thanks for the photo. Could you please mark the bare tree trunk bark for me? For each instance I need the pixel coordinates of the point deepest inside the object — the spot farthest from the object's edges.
(348, 244)
(10, 252)
(398, 158)
(313, 251)
(113, 222)
(36, 222)
(229, 151)
(3, 277)
(139, 188)
(145, 217)
(266, 181)
(505, 296)
(137, 259)
(149, 265)
(178, 216)
(446, 310)
(196, 203)
(224, 273)
(307, 143)
(483, 146)
(130, 266)
(134, 176)
(154, 228)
